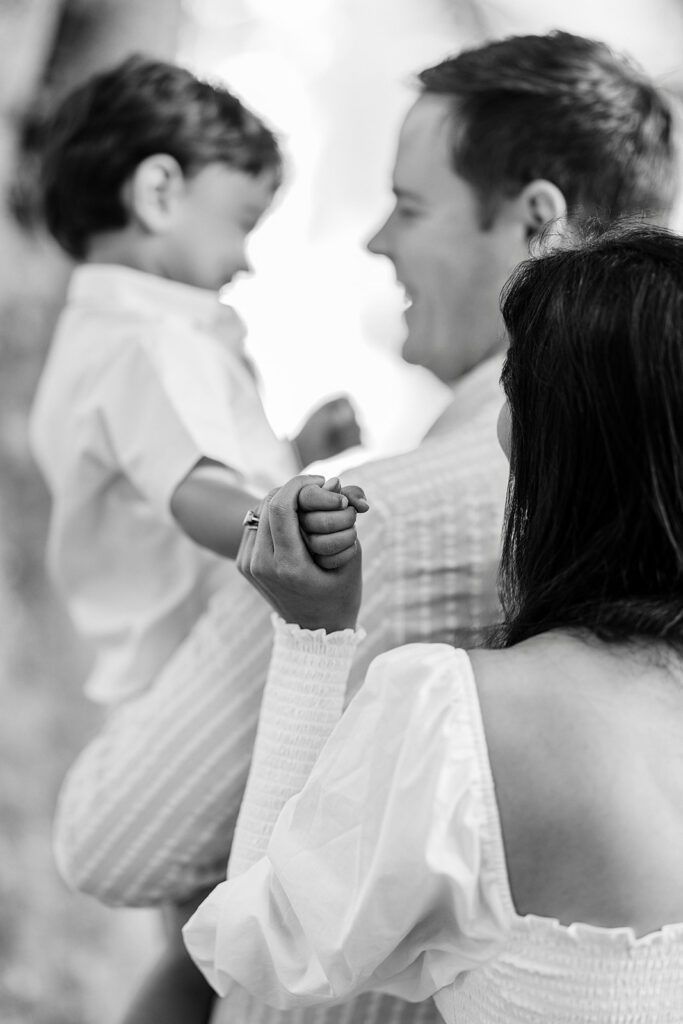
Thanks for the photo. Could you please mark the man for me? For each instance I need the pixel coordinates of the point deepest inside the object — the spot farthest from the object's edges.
(502, 142)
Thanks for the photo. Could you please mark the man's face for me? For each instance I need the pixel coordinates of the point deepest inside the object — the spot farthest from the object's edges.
(452, 270)
(218, 209)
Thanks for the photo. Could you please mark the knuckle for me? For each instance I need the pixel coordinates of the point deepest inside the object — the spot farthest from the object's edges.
(307, 496)
(277, 508)
(317, 544)
(308, 521)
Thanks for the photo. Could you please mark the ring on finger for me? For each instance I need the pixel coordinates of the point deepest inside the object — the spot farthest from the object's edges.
(251, 520)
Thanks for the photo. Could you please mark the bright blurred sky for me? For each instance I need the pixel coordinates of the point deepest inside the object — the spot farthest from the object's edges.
(333, 78)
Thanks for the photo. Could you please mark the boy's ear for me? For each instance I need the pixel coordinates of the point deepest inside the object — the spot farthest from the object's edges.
(153, 193)
(542, 204)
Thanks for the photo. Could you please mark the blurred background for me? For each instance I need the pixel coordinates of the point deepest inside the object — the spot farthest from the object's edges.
(334, 78)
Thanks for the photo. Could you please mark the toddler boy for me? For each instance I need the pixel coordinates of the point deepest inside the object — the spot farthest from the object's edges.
(147, 422)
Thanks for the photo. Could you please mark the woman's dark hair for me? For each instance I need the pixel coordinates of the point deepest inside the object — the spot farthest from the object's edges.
(594, 381)
(563, 108)
(104, 128)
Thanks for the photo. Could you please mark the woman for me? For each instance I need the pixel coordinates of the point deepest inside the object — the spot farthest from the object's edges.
(502, 829)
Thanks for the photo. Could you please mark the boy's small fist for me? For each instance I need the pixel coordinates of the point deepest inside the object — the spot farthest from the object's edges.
(327, 516)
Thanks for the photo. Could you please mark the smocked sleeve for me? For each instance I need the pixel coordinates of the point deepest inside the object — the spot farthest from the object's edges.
(386, 872)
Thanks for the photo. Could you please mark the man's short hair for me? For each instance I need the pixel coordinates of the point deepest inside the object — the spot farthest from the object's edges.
(103, 130)
(562, 108)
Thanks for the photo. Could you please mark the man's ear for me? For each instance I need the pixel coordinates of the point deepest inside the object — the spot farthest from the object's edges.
(153, 192)
(542, 203)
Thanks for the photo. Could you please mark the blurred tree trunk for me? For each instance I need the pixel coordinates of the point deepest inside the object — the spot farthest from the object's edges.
(46, 46)
(93, 958)
(27, 32)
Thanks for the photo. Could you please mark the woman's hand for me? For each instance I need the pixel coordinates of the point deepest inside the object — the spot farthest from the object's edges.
(276, 560)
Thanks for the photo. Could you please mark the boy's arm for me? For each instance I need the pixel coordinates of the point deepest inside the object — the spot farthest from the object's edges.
(209, 506)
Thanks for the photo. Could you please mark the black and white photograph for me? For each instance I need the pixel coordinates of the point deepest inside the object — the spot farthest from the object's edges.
(341, 512)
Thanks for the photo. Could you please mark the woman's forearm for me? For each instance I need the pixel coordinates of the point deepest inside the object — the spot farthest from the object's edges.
(303, 701)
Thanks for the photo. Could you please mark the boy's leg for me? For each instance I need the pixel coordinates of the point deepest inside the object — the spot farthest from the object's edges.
(174, 992)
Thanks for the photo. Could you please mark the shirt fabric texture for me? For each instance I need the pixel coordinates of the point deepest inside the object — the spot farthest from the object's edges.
(387, 870)
(148, 811)
(144, 378)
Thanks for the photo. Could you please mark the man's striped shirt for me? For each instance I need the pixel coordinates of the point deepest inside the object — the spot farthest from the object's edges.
(147, 812)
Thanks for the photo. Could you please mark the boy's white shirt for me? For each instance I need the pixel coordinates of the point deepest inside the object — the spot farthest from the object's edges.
(145, 377)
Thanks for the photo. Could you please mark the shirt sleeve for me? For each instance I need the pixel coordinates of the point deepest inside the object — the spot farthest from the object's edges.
(166, 406)
(147, 812)
(302, 702)
(386, 872)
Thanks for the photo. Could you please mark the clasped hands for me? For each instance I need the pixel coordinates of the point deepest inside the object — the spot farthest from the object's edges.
(305, 558)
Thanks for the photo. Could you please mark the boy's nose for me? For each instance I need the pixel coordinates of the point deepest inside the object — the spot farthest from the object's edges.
(243, 266)
(378, 244)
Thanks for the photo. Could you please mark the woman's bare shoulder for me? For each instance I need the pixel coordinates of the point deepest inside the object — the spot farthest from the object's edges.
(583, 740)
(539, 678)
(568, 698)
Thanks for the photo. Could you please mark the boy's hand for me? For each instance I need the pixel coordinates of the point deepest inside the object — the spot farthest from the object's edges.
(327, 516)
(329, 430)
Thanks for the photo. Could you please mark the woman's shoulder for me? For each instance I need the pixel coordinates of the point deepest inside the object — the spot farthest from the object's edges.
(582, 739)
(566, 682)
(554, 713)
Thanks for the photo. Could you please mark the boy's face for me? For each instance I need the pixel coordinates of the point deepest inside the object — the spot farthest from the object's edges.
(219, 206)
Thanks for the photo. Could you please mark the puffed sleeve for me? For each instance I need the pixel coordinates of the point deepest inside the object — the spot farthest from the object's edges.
(387, 871)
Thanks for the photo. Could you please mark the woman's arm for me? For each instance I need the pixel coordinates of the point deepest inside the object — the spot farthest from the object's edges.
(309, 668)
(381, 873)
(302, 702)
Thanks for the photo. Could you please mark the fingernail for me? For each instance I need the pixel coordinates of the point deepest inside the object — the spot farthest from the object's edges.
(362, 505)
(344, 501)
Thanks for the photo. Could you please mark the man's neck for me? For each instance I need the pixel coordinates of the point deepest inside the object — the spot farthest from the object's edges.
(470, 392)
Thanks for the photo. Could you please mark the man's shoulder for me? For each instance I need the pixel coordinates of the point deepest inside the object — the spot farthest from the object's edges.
(457, 460)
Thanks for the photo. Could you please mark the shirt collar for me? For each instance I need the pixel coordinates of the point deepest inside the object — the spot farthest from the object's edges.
(472, 393)
(123, 288)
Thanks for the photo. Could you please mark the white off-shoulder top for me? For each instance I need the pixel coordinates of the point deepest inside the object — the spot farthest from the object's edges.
(387, 870)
